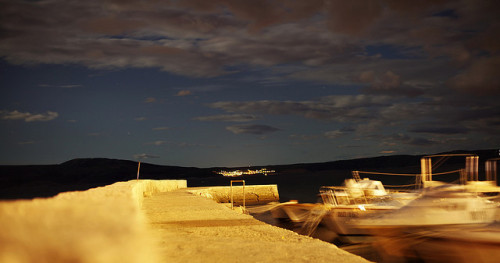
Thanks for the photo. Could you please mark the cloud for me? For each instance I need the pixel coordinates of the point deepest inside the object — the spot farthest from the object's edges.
(327, 108)
(145, 156)
(251, 129)
(365, 115)
(27, 116)
(150, 100)
(161, 128)
(440, 129)
(388, 83)
(303, 137)
(406, 139)
(117, 38)
(68, 86)
(481, 77)
(338, 133)
(228, 118)
(341, 19)
(333, 134)
(140, 119)
(259, 14)
(196, 38)
(158, 143)
(406, 60)
(183, 93)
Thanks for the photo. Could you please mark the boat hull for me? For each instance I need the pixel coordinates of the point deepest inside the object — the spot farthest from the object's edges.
(339, 219)
(457, 243)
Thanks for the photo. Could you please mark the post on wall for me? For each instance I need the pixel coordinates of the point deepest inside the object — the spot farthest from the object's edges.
(138, 170)
(471, 168)
(426, 170)
(491, 169)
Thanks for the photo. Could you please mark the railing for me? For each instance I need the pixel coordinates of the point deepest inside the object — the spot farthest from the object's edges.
(237, 181)
(339, 195)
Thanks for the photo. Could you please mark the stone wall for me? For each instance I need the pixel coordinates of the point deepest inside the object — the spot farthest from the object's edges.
(254, 194)
(102, 224)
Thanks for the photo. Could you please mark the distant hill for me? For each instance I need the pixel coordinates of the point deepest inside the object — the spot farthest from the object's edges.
(30, 181)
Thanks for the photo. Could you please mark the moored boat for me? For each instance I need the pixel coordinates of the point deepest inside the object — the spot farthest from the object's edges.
(438, 206)
(347, 210)
(340, 204)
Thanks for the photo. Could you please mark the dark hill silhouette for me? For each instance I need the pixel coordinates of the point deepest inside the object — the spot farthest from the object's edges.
(30, 181)
(295, 181)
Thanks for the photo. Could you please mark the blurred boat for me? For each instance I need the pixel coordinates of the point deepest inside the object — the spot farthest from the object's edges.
(436, 226)
(340, 204)
(458, 244)
(354, 210)
(358, 199)
(470, 243)
(441, 205)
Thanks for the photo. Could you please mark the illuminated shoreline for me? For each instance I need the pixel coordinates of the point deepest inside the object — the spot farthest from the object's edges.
(237, 173)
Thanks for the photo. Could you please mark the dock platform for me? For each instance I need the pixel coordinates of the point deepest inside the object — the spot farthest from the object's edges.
(190, 228)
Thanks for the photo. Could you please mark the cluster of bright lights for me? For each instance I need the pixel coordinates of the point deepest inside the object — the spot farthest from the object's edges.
(236, 173)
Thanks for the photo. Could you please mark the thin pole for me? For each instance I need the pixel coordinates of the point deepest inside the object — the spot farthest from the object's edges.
(232, 201)
(138, 169)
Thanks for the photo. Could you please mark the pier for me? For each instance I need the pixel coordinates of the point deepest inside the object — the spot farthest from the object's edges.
(148, 221)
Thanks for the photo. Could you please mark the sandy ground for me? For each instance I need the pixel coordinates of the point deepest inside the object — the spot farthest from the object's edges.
(190, 228)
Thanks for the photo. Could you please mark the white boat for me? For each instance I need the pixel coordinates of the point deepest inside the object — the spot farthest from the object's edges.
(446, 224)
(446, 205)
(344, 208)
(358, 199)
(340, 204)
(351, 195)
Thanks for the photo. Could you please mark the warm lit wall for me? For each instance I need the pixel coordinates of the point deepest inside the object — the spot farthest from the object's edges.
(254, 194)
(103, 224)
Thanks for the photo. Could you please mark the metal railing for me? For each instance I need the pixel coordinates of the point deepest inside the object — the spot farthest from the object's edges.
(237, 181)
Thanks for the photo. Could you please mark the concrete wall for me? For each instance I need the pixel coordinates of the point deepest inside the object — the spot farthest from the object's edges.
(103, 224)
(149, 187)
(254, 194)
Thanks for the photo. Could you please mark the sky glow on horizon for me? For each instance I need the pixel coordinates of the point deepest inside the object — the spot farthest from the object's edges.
(237, 83)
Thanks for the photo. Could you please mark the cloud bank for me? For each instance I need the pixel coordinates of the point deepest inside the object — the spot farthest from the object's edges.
(27, 116)
(256, 129)
(393, 72)
(196, 38)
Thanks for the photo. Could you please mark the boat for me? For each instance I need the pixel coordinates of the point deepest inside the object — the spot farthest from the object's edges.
(338, 205)
(446, 224)
(342, 207)
(358, 199)
(437, 206)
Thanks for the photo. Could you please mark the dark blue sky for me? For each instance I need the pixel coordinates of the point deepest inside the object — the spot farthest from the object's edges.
(232, 83)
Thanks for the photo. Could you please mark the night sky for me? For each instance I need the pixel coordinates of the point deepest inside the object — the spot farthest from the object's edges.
(246, 82)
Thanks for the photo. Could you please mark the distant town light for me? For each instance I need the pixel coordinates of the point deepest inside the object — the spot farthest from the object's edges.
(236, 173)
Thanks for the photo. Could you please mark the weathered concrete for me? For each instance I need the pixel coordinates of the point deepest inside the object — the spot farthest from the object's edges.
(254, 194)
(103, 224)
(108, 224)
(191, 228)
